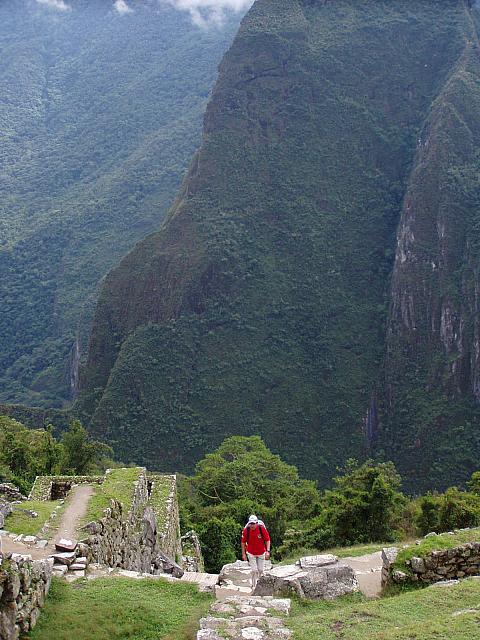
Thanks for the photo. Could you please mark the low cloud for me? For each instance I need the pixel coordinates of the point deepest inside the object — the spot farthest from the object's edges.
(122, 7)
(207, 12)
(60, 5)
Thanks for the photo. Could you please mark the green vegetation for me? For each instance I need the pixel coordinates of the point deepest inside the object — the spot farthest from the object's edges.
(443, 614)
(100, 117)
(436, 543)
(26, 453)
(240, 478)
(20, 522)
(363, 511)
(118, 485)
(450, 510)
(261, 306)
(118, 608)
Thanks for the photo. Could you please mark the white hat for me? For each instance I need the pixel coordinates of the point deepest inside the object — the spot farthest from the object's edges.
(253, 519)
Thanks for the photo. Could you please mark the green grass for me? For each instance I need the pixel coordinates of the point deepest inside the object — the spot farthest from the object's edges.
(436, 543)
(414, 615)
(118, 485)
(119, 608)
(19, 522)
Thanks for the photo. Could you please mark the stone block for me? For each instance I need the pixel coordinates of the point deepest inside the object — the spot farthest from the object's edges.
(327, 582)
(66, 545)
(67, 557)
(310, 562)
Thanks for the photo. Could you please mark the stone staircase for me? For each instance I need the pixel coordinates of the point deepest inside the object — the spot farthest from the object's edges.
(206, 581)
(246, 618)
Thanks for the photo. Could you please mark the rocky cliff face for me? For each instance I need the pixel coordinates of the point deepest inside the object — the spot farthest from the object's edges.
(266, 304)
(433, 347)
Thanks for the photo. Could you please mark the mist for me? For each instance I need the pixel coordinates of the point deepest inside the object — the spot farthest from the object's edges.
(207, 12)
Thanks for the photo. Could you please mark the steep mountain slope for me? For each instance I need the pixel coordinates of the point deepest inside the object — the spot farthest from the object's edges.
(432, 382)
(100, 115)
(262, 304)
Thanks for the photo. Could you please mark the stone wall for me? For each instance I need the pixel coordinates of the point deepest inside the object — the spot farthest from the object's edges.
(42, 487)
(24, 585)
(166, 511)
(136, 539)
(448, 564)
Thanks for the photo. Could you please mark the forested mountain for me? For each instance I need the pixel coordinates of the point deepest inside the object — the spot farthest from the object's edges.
(100, 110)
(317, 279)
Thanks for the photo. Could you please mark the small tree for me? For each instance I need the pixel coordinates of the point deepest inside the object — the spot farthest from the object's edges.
(80, 452)
(364, 504)
(429, 517)
(219, 540)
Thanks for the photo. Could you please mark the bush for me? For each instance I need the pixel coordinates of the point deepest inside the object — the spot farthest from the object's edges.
(453, 509)
(363, 507)
(219, 540)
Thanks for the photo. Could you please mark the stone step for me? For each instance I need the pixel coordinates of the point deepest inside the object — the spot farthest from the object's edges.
(240, 606)
(245, 628)
(221, 593)
(206, 581)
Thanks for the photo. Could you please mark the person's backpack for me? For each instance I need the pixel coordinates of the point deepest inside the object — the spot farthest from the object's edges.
(261, 526)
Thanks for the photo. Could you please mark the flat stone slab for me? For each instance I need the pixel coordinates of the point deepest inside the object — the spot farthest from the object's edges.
(309, 562)
(77, 566)
(42, 544)
(206, 581)
(238, 574)
(251, 605)
(247, 627)
(60, 570)
(30, 540)
(221, 593)
(64, 544)
(67, 557)
(443, 583)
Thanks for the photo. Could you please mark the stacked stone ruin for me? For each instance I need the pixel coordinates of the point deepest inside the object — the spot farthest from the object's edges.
(24, 585)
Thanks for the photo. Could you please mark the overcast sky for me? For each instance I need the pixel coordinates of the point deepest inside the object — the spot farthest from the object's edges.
(203, 12)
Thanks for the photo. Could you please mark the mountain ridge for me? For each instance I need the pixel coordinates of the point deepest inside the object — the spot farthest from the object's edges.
(210, 326)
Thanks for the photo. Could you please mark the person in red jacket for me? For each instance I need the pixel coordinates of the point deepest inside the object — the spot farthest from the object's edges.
(255, 547)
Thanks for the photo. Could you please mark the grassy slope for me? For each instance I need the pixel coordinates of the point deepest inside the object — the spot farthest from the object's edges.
(100, 116)
(116, 608)
(118, 485)
(18, 522)
(309, 140)
(415, 615)
(436, 543)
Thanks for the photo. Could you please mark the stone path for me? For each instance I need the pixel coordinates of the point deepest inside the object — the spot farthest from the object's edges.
(76, 508)
(205, 581)
(246, 618)
(368, 571)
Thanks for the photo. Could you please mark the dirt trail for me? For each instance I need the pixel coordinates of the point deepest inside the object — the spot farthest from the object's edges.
(368, 570)
(76, 508)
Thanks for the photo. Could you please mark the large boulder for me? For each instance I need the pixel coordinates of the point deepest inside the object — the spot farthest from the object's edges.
(314, 577)
(167, 565)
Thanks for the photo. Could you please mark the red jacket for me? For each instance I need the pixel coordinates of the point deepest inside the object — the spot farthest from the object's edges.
(255, 542)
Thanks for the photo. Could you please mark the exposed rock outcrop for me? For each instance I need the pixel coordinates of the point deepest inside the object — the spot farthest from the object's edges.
(314, 577)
